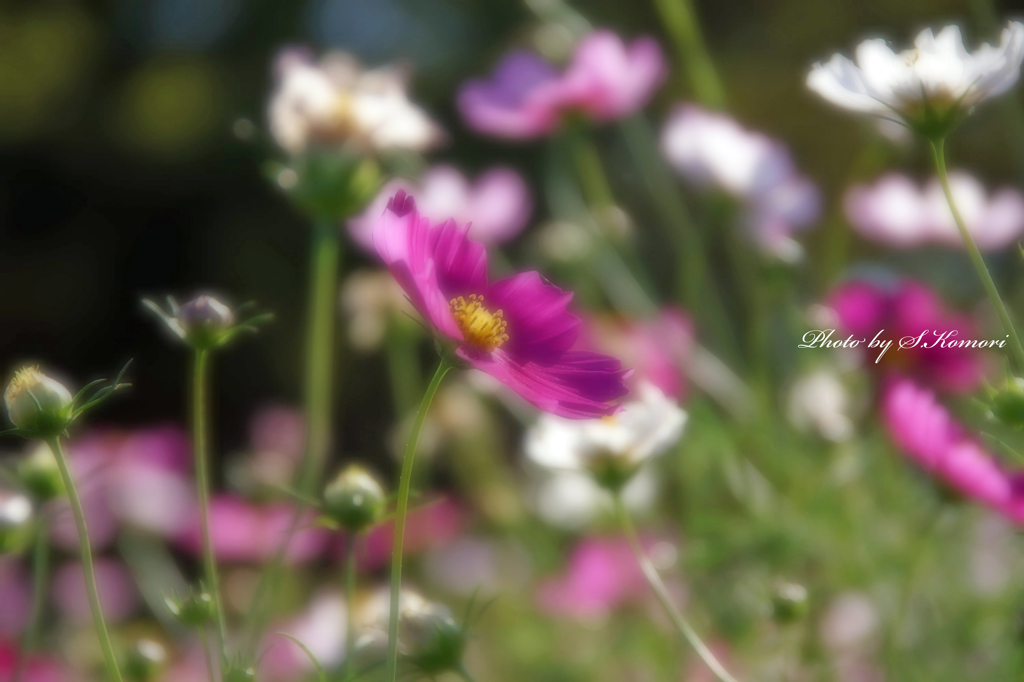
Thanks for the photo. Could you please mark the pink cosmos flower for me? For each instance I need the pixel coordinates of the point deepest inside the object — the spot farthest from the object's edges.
(430, 525)
(601, 575)
(519, 330)
(39, 668)
(926, 432)
(244, 532)
(526, 97)
(657, 349)
(865, 308)
(896, 212)
(497, 205)
(712, 150)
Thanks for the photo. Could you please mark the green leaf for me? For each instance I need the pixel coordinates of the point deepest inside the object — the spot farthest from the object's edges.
(316, 663)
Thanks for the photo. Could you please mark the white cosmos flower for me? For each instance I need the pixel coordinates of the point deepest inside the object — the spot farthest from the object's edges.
(930, 86)
(335, 101)
(617, 445)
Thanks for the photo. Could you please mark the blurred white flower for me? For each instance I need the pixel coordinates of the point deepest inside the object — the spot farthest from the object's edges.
(713, 151)
(335, 101)
(930, 87)
(497, 204)
(818, 400)
(573, 500)
(370, 301)
(644, 429)
(896, 212)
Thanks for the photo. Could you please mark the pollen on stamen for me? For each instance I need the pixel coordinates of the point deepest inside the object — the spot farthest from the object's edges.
(480, 327)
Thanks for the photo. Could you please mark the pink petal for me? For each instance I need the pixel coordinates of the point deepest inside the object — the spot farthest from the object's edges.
(518, 102)
(540, 326)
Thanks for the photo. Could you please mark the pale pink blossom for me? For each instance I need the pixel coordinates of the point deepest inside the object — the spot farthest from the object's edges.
(497, 204)
(896, 212)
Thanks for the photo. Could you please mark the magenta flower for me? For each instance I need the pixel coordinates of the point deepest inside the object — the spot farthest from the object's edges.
(519, 330)
(39, 668)
(658, 349)
(428, 526)
(926, 432)
(601, 575)
(896, 212)
(497, 204)
(907, 310)
(526, 97)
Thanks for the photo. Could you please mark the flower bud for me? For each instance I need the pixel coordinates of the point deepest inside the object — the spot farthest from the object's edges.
(144, 660)
(1008, 404)
(15, 521)
(434, 642)
(39, 475)
(354, 499)
(789, 602)
(37, 404)
(194, 610)
(204, 320)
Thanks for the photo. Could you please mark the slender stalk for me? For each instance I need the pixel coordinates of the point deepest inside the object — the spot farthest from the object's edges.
(202, 466)
(90, 577)
(391, 669)
(207, 654)
(682, 25)
(465, 674)
(661, 592)
(350, 593)
(40, 579)
(325, 256)
(938, 147)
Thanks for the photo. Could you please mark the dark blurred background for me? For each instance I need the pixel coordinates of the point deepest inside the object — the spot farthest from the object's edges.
(131, 147)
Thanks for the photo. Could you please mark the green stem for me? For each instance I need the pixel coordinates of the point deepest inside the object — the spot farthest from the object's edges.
(200, 376)
(465, 674)
(938, 147)
(320, 353)
(90, 577)
(40, 578)
(207, 653)
(325, 256)
(681, 23)
(391, 670)
(661, 592)
(350, 594)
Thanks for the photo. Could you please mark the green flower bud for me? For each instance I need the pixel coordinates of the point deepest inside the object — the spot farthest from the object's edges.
(434, 642)
(354, 499)
(37, 404)
(204, 320)
(39, 475)
(789, 602)
(1008, 404)
(15, 521)
(239, 673)
(194, 610)
(144, 660)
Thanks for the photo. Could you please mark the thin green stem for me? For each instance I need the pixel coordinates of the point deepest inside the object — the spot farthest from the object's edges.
(90, 577)
(207, 654)
(465, 674)
(391, 669)
(682, 25)
(661, 592)
(938, 147)
(325, 256)
(350, 595)
(200, 444)
(40, 579)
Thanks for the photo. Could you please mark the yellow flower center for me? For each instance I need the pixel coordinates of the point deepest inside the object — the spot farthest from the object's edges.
(480, 327)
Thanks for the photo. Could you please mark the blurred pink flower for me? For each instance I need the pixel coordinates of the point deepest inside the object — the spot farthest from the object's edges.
(39, 668)
(430, 525)
(865, 308)
(896, 212)
(15, 595)
(135, 477)
(601, 575)
(496, 206)
(712, 151)
(657, 349)
(526, 97)
(926, 432)
(278, 429)
(244, 532)
(321, 628)
(114, 584)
